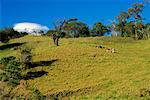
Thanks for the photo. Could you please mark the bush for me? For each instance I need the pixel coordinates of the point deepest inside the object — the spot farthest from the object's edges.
(3, 37)
(10, 33)
(37, 94)
(11, 71)
(4, 61)
(34, 93)
(26, 57)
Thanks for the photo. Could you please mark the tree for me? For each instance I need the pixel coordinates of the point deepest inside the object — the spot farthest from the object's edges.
(148, 29)
(134, 12)
(129, 29)
(84, 30)
(99, 29)
(4, 37)
(122, 18)
(9, 33)
(59, 29)
(50, 32)
(76, 29)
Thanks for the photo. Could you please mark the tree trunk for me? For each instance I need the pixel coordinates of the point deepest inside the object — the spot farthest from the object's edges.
(122, 29)
(122, 32)
(57, 40)
(54, 39)
(135, 35)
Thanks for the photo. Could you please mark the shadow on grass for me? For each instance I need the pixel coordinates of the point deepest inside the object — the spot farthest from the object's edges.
(42, 63)
(36, 74)
(12, 45)
(68, 93)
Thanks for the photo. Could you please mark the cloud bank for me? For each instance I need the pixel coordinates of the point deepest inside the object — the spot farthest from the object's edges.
(30, 27)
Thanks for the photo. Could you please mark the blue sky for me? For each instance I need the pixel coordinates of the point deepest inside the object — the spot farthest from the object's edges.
(46, 12)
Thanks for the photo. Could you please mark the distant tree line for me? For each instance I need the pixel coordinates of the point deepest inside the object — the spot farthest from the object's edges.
(76, 29)
(130, 23)
(9, 33)
(72, 28)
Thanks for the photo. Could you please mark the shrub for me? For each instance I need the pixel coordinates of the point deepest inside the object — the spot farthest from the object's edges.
(37, 94)
(3, 37)
(34, 93)
(11, 71)
(50, 32)
(4, 61)
(26, 57)
(10, 33)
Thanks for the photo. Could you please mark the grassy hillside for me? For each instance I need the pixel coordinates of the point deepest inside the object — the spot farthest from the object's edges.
(80, 70)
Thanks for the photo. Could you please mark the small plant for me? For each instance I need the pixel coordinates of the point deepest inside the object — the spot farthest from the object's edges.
(4, 61)
(11, 71)
(26, 57)
(35, 94)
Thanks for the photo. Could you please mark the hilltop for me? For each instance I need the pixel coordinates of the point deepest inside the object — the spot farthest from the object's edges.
(80, 70)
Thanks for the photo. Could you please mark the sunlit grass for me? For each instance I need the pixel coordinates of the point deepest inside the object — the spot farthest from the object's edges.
(80, 65)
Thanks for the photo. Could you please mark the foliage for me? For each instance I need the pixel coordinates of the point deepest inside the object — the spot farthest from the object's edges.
(9, 33)
(134, 12)
(37, 94)
(99, 29)
(26, 57)
(4, 61)
(148, 30)
(50, 32)
(129, 29)
(34, 93)
(59, 29)
(4, 36)
(122, 18)
(130, 23)
(76, 29)
(11, 70)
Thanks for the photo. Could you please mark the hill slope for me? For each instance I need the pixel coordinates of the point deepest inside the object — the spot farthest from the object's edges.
(77, 68)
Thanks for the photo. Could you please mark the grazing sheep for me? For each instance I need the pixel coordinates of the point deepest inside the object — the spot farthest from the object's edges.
(110, 50)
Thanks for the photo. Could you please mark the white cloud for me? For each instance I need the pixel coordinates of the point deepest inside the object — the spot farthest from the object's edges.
(30, 27)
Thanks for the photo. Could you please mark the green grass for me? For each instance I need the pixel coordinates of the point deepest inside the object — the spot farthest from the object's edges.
(86, 72)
